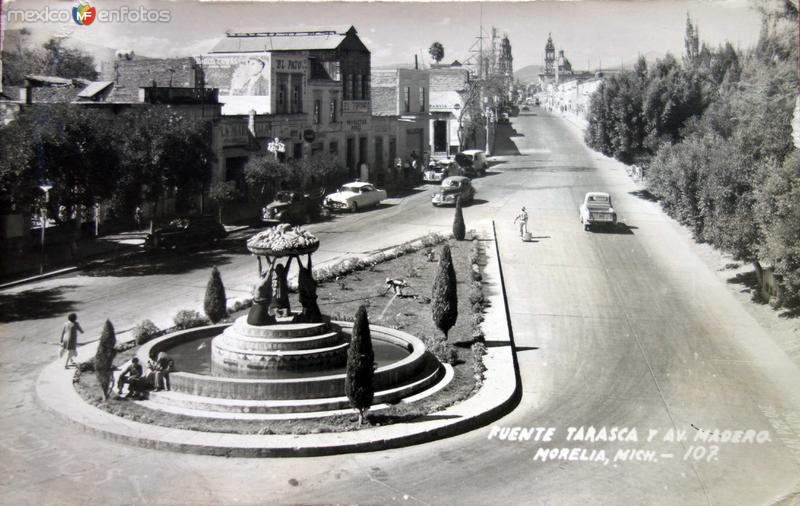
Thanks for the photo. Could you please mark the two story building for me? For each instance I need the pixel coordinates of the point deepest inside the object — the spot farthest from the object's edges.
(310, 90)
(401, 100)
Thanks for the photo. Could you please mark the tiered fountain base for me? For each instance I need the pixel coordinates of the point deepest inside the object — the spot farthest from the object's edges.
(237, 387)
(281, 346)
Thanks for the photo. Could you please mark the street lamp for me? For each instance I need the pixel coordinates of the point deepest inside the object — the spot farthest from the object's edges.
(45, 187)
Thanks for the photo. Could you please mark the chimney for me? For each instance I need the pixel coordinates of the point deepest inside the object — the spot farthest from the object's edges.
(416, 63)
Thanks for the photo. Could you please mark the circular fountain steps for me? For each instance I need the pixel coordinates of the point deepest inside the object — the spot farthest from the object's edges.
(231, 341)
(392, 382)
(245, 347)
(212, 407)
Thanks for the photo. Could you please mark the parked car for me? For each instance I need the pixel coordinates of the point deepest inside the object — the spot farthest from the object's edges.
(452, 188)
(526, 108)
(472, 162)
(354, 196)
(597, 210)
(503, 119)
(438, 170)
(293, 207)
(186, 231)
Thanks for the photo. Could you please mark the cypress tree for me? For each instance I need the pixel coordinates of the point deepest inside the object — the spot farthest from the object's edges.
(459, 229)
(214, 304)
(104, 359)
(444, 300)
(360, 366)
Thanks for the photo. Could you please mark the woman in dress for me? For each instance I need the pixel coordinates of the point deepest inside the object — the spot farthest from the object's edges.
(69, 339)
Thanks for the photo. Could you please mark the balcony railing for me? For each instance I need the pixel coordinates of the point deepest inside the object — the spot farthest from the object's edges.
(355, 106)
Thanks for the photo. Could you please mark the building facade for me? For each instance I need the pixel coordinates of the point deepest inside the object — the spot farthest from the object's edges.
(449, 88)
(402, 97)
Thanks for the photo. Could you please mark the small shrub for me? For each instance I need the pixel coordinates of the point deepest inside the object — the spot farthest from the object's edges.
(215, 298)
(188, 319)
(475, 295)
(459, 229)
(145, 331)
(478, 367)
(476, 274)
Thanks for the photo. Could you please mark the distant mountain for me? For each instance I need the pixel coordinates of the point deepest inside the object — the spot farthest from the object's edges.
(529, 74)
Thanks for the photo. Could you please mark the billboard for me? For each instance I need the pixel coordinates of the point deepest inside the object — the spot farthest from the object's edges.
(243, 81)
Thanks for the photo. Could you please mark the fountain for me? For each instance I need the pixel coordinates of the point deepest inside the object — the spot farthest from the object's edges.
(275, 360)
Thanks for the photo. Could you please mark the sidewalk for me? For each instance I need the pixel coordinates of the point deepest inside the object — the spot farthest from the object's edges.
(23, 267)
(499, 394)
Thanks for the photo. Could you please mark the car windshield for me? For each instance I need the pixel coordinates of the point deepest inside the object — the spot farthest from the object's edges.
(349, 188)
(178, 223)
(283, 197)
(453, 183)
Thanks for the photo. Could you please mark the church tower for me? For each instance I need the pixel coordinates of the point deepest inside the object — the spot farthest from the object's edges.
(549, 57)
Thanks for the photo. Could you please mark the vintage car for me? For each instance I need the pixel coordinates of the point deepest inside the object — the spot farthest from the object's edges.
(354, 196)
(438, 170)
(186, 231)
(293, 207)
(452, 188)
(597, 210)
(472, 162)
(526, 108)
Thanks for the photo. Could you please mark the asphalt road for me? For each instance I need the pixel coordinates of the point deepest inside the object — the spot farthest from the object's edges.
(626, 329)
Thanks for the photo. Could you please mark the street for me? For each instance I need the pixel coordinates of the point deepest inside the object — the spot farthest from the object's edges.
(624, 328)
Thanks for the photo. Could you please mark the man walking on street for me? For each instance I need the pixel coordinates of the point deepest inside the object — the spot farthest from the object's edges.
(522, 218)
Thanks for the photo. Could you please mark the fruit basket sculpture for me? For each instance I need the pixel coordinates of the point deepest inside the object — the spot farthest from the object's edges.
(271, 296)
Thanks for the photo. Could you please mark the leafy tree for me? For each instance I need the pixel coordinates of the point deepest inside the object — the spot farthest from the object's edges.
(459, 229)
(444, 299)
(215, 300)
(223, 193)
(360, 366)
(17, 176)
(162, 150)
(778, 214)
(52, 59)
(104, 359)
(436, 51)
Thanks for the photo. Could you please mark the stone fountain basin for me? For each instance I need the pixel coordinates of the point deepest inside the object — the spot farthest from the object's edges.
(407, 371)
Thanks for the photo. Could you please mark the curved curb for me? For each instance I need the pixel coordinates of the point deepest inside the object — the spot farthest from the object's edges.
(499, 394)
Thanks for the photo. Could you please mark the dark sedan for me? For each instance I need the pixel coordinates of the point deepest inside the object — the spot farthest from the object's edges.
(180, 232)
(452, 188)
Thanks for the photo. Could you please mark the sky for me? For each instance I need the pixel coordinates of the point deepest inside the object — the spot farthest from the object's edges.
(590, 32)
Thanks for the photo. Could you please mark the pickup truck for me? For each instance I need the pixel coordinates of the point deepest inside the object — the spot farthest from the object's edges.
(597, 210)
(293, 207)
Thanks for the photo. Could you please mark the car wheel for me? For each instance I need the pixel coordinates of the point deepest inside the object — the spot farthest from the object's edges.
(354, 207)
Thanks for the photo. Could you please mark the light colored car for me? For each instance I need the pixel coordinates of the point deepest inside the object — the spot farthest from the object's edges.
(597, 210)
(452, 188)
(354, 196)
(472, 162)
(438, 170)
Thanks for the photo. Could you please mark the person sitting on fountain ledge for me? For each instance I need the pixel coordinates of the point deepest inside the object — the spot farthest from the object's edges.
(132, 376)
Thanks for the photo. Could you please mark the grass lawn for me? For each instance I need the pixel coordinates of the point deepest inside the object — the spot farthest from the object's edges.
(340, 298)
